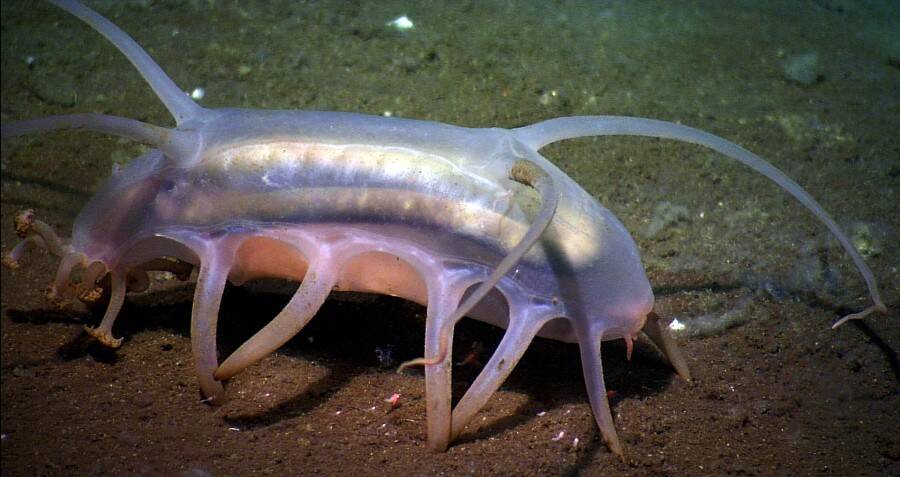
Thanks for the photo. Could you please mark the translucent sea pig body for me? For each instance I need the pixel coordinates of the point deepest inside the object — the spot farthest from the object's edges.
(468, 222)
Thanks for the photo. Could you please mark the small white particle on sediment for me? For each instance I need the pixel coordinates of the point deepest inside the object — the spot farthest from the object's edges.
(401, 23)
(198, 93)
(559, 436)
(676, 325)
(548, 97)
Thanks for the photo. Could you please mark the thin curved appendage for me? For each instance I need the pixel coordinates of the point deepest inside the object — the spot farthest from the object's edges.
(543, 133)
(211, 280)
(179, 104)
(33, 232)
(519, 334)
(439, 324)
(309, 297)
(530, 174)
(592, 367)
(654, 330)
(859, 315)
(53, 242)
(103, 333)
(172, 142)
(13, 259)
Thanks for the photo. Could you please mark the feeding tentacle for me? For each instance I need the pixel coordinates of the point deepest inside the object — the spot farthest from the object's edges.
(12, 260)
(33, 232)
(309, 297)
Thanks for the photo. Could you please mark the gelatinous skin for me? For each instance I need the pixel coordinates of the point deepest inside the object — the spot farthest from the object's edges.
(340, 201)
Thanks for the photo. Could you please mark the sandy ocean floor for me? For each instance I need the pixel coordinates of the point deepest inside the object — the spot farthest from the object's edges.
(776, 391)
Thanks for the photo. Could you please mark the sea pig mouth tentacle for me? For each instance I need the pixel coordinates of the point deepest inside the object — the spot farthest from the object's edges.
(63, 289)
(34, 233)
(82, 279)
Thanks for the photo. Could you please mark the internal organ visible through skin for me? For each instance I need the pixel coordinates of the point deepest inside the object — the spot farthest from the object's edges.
(284, 181)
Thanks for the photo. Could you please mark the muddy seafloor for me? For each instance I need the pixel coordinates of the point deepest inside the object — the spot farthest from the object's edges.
(776, 393)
